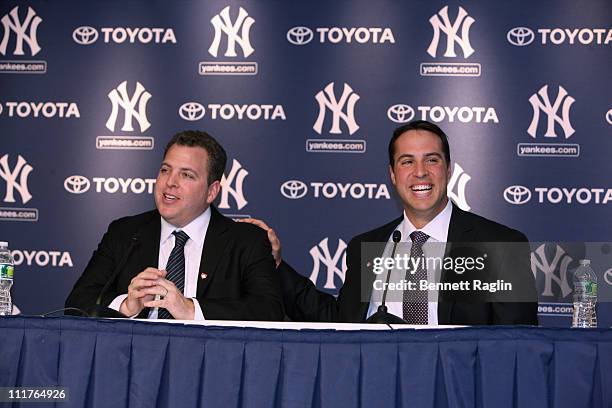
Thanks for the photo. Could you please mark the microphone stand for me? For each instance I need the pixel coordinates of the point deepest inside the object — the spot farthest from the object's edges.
(98, 310)
(382, 316)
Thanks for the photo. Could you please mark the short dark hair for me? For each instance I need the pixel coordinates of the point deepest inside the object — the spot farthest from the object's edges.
(217, 158)
(419, 125)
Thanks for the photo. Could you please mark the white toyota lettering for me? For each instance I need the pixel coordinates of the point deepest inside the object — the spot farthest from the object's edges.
(585, 36)
(582, 195)
(354, 190)
(129, 185)
(144, 35)
(46, 109)
(252, 112)
(42, 258)
(462, 114)
(361, 35)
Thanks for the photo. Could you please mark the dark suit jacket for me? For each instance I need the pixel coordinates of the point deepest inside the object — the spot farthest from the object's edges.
(303, 302)
(241, 283)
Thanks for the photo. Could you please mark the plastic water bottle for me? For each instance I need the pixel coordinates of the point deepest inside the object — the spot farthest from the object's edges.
(585, 295)
(6, 279)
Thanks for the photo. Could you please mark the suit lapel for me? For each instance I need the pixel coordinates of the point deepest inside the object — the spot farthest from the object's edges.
(147, 252)
(214, 245)
(459, 230)
(380, 235)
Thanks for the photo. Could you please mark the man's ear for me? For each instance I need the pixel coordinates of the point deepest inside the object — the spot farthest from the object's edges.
(213, 191)
(391, 174)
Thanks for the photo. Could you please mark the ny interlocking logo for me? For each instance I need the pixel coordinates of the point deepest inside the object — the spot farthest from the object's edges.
(24, 31)
(135, 107)
(21, 171)
(441, 23)
(542, 103)
(237, 33)
(344, 109)
(235, 178)
(458, 181)
(554, 271)
(321, 255)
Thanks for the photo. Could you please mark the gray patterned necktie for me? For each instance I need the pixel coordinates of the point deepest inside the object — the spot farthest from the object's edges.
(414, 302)
(175, 268)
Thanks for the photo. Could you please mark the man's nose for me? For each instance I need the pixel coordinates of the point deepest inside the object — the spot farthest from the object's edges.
(420, 170)
(171, 180)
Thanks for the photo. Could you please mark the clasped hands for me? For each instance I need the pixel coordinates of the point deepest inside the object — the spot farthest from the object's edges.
(151, 282)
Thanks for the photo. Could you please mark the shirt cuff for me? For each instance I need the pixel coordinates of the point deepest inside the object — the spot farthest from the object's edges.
(198, 315)
(116, 304)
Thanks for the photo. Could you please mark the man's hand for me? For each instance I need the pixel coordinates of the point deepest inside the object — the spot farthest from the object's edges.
(151, 282)
(143, 288)
(272, 237)
(172, 299)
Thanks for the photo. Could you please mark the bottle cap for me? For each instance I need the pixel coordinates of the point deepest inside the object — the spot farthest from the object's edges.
(583, 262)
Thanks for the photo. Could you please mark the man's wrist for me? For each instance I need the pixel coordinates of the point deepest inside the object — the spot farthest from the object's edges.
(198, 314)
(125, 309)
(189, 310)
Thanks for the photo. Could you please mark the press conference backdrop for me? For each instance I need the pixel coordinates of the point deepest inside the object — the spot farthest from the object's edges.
(304, 97)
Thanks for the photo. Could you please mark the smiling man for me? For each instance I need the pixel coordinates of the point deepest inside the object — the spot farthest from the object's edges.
(183, 260)
(420, 169)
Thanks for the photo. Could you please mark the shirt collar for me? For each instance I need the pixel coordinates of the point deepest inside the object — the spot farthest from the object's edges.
(196, 229)
(437, 228)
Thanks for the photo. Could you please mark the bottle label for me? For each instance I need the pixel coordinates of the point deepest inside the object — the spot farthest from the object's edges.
(586, 288)
(591, 288)
(6, 271)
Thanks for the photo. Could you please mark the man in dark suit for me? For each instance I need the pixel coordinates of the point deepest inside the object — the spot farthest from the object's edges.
(419, 167)
(183, 260)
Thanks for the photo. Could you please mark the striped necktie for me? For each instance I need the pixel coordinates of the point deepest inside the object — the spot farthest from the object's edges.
(175, 268)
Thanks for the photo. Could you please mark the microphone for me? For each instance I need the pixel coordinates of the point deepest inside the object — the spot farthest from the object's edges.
(382, 316)
(102, 311)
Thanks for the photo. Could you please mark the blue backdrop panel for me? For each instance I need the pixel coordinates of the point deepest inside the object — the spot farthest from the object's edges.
(304, 97)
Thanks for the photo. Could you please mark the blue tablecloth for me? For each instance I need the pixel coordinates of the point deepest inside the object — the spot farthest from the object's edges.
(107, 363)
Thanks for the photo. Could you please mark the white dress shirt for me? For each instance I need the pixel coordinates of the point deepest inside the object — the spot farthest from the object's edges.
(196, 230)
(437, 229)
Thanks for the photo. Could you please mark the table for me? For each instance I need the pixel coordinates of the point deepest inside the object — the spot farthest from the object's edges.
(120, 363)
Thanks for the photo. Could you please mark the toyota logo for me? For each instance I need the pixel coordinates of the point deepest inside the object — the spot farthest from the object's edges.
(520, 36)
(400, 113)
(85, 35)
(517, 195)
(608, 116)
(293, 189)
(76, 184)
(299, 35)
(191, 111)
(608, 276)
